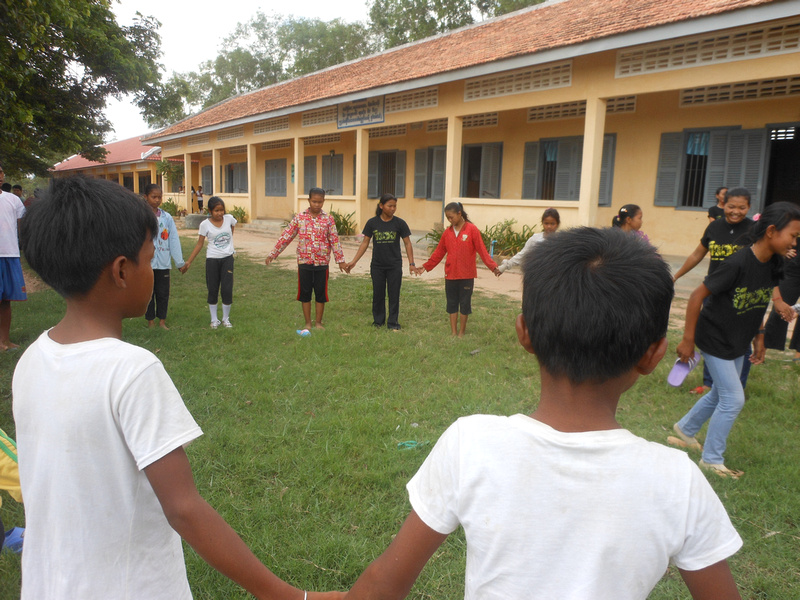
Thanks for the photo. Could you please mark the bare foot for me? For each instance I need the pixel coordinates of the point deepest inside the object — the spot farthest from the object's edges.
(307, 325)
(318, 326)
(8, 346)
(150, 324)
(163, 324)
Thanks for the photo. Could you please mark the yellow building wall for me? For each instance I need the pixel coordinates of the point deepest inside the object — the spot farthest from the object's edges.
(638, 135)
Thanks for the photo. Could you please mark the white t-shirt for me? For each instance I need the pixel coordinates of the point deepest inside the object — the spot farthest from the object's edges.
(560, 515)
(515, 260)
(90, 416)
(11, 210)
(220, 239)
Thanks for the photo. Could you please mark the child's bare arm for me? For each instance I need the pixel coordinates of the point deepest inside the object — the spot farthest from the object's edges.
(195, 251)
(208, 533)
(393, 573)
(362, 248)
(712, 583)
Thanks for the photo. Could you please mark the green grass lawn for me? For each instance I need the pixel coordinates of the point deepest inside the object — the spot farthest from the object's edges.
(300, 452)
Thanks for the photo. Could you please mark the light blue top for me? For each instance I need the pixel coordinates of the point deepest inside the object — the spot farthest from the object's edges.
(167, 243)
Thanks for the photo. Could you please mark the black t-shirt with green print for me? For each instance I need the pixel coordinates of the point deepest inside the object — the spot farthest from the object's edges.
(741, 289)
(723, 239)
(386, 236)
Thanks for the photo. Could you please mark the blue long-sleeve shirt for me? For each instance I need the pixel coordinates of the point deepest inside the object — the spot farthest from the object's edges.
(167, 243)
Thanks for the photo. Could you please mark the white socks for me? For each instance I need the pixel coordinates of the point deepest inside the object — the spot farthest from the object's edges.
(213, 309)
(226, 312)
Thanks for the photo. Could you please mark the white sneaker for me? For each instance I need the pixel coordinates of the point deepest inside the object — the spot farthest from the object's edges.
(214, 324)
(227, 323)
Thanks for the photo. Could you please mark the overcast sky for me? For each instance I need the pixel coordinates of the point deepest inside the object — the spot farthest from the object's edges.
(191, 35)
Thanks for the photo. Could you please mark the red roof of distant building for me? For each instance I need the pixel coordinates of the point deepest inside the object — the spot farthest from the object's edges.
(121, 152)
(537, 29)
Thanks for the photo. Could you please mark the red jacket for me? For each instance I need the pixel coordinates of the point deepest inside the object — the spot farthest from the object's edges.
(460, 263)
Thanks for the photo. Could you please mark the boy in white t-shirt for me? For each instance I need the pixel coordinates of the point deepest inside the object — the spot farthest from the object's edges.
(100, 426)
(565, 503)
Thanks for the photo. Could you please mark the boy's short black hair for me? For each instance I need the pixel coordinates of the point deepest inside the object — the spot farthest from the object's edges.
(315, 191)
(594, 300)
(79, 227)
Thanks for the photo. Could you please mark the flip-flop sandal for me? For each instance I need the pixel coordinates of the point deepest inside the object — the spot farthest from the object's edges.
(721, 470)
(681, 369)
(683, 441)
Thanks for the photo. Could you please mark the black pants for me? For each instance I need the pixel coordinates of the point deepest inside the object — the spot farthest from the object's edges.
(775, 335)
(160, 300)
(219, 277)
(383, 280)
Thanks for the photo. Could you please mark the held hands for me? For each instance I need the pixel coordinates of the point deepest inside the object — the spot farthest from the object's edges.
(343, 267)
(416, 270)
(497, 272)
(268, 260)
(185, 268)
(784, 310)
(348, 267)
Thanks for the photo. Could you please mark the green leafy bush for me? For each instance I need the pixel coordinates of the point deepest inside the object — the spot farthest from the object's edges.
(238, 213)
(345, 224)
(507, 241)
(169, 206)
(433, 236)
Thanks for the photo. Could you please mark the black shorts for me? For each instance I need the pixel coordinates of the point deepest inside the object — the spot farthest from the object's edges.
(459, 295)
(311, 277)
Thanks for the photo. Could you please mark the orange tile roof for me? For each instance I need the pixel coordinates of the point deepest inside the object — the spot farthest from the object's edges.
(537, 29)
(123, 151)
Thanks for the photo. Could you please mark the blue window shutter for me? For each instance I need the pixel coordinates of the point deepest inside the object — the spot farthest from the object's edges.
(208, 180)
(337, 172)
(275, 177)
(530, 171)
(438, 172)
(421, 173)
(715, 165)
(491, 158)
(333, 174)
(746, 163)
(326, 170)
(568, 169)
(240, 177)
(268, 180)
(607, 169)
(310, 172)
(281, 176)
(229, 179)
(668, 178)
(400, 174)
(372, 175)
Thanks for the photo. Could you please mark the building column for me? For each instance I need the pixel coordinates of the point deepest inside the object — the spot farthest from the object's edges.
(187, 183)
(135, 179)
(593, 130)
(120, 178)
(362, 174)
(297, 172)
(252, 192)
(452, 181)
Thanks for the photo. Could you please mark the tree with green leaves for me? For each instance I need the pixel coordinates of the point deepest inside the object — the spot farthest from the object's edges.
(264, 50)
(396, 22)
(59, 61)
